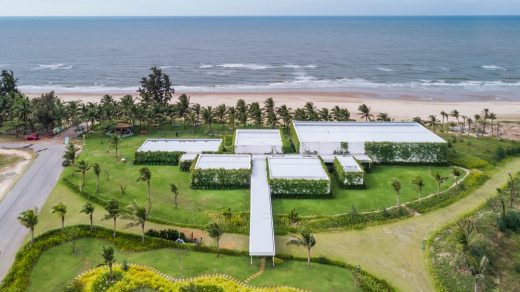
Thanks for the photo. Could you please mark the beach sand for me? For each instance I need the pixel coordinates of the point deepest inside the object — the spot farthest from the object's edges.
(405, 106)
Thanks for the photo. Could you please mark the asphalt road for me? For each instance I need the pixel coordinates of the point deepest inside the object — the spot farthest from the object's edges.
(31, 190)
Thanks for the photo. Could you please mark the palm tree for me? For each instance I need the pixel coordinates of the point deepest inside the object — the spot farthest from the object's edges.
(456, 173)
(477, 120)
(383, 117)
(310, 111)
(492, 117)
(97, 171)
(444, 114)
(432, 120)
(364, 111)
(145, 175)
(485, 115)
(220, 112)
(255, 114)
(71, 153)
(285, 115)
(116, 139)
(29, 219)
(512, 187)
(113, 212)
(325, 114)
(470, 121)
(396, 185)
(306, 240)
(139, 215)
(215, 232)
(231, 115)
(88, 209)
(455, 113)
(183, 106)
(478, 269)
(83, 167)
(241, 112)
(207, 116)
(60, 209)
(439, 179)
(109, 259)
(419, 183)
(175, 191)
(269, 105)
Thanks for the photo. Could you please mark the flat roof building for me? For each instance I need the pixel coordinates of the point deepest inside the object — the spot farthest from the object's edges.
(223, 161)
(258, 141)
(181, 145)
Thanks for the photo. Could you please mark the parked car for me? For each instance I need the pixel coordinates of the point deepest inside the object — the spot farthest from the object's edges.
(32, 137)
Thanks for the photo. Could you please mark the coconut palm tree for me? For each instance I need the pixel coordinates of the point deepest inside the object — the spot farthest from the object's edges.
(29, 219)
(215, 232)
(83, 167)
(220, 113)
(255, 114)
(396, 185)
(439, 179)
(113, 212)
(432, 120)
(383, 117)
(470, 121)
(306, 240)
(71, 153)
(60, 209)
(271, 119)
(492, 117)
(443, 115)
(138, 214)
(364, 112)
(241, 109)
(310, 111)
(269, 105)
(183, 106)
(89, 209)
(477, 121)
(115, 141)
(175, 192)
(109, 260)
(478, 268)
(485, 116)
(324, 114)
(207, 116)
(145, 175)
(97, 171)
(231, 115)
(419, 183)
(285, 115)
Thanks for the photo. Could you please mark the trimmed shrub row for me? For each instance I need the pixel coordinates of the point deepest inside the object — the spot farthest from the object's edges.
(351, 179)
(386, 152)
(219, 179)
(157, 158)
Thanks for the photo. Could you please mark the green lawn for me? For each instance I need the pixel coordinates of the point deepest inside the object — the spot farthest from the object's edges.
(181, 263)
(7, 159)
(199, 207)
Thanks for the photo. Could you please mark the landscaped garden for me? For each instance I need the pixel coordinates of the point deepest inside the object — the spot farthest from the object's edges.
(7, 159)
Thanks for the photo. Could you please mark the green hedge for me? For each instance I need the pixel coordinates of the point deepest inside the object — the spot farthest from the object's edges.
(294, 138)
(217, 179)
(287, 146)
(348, 179)
(157, 158)
(18, 277)
(388, 152)
(185, 165)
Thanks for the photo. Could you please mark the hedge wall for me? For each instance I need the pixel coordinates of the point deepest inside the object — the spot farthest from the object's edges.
(294, 138)
(18, 277)
(388, 152)
(157, 158)
(220, 179)
(348, 179)
(287, 146)
(185, 165)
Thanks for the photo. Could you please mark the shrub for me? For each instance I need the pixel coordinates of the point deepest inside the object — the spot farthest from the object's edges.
(509, 222)
(386, 152)
(294, 138)
(157, 158)
(168, 234)
(300, 188)
(185, 165)
(214, 179)
(349, 179)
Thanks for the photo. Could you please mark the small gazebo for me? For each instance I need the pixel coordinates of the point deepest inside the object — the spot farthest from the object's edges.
(123, 129)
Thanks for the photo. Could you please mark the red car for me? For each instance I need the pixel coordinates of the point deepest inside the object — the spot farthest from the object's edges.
(32, 137)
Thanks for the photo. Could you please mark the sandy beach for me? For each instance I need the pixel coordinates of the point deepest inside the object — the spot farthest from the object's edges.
(405, 106)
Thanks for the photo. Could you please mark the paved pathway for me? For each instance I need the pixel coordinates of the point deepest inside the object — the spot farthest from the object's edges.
(395, 251)
(31, 190)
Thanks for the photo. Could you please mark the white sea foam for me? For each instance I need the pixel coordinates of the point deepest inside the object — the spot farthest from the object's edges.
(493, 67)
(384, 69)
(206, 66)
(168, 66)
(52, 67)
(292, 66)
(245, 66)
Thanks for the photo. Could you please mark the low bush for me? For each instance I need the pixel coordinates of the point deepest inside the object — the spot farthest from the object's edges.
(168, 234)
(300, 188)
(185, 165)
(509, 222)
(157, 158)
(387, 152)
(217, 179)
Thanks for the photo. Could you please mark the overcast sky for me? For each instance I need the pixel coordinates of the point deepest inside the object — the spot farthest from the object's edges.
(256, 7)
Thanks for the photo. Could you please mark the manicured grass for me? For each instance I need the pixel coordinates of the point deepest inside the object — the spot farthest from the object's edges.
(7, 159)
(379, 193)
(64, 265)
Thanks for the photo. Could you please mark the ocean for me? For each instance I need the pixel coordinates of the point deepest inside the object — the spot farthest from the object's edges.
(466, 56)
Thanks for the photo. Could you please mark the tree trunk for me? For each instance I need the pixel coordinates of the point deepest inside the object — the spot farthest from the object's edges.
(91, 222)
(308, 258)
(398, 202)
(114, 234)
(62, 223)
(97, 184)
(142, 234)
(175, 201)
(149, 198)
(32, 236)
(110, 273)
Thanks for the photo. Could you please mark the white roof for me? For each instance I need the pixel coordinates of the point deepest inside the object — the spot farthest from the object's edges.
(258, 137)
(335, 132)
(261, 231)
(181, 145)
(296, 167)
(188, 157)
(349, 164)
(225, 161)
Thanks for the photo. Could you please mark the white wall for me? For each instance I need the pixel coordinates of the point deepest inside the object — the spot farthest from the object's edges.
(330, 148)
(258, 149)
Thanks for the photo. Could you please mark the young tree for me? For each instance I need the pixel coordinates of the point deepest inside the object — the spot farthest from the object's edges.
(183, 107)
(419, 183)
(71, 153)
(60, 209)
(97, 171)
(109, 260)
(215, 232)
(464, 234)
(29, 219)
(396, 185)
(83, 167)
(512, 187)
(145, 175)
(306, 240)
(113, 212)
(115, 141)
(457, 174)
(439, 179)
(8, 83)
(88, 209)
(138, 214)
(478, 269)
(175, 191)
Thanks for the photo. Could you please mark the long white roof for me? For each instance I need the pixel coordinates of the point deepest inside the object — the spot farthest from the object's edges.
(181, 145)
(296, 167)
(334, 132)
(224, 161)
(258, 137)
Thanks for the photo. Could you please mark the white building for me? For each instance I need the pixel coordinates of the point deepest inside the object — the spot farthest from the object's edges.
(223, 161)
(181, 145)
(328, 138)
(258, 141)
(350, 165)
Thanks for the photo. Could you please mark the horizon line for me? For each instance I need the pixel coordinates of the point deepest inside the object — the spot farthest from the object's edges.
(303, 15)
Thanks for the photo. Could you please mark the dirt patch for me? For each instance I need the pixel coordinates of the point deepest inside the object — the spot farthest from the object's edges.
(11, 172)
